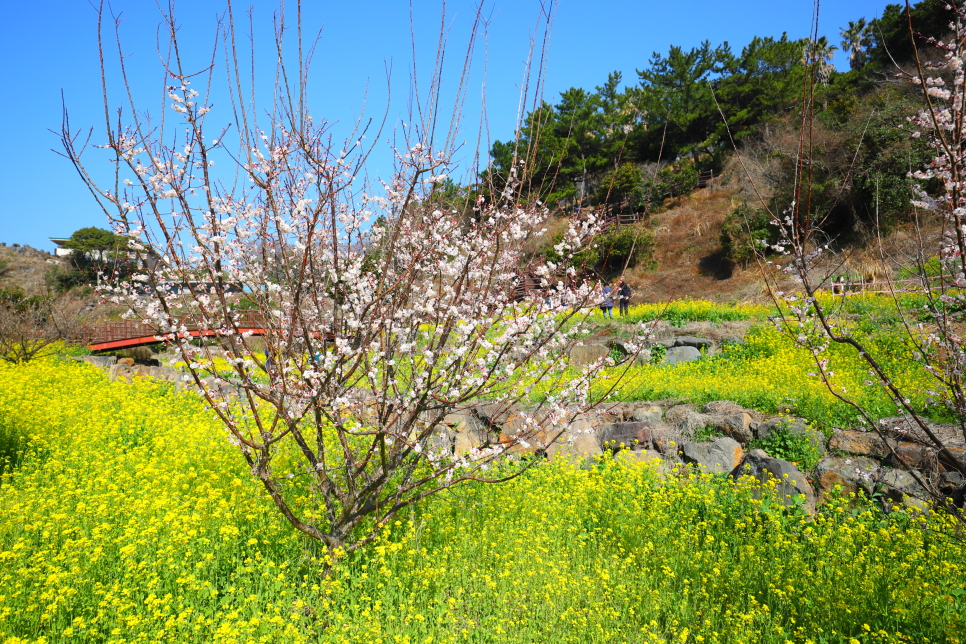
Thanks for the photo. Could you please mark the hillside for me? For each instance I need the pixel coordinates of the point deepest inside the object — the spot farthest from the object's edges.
(25, 268)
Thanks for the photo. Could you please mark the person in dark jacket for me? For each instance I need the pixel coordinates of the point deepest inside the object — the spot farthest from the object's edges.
(623, 297)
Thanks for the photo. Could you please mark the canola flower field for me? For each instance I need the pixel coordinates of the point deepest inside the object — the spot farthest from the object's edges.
(128, 517)
(768, 372)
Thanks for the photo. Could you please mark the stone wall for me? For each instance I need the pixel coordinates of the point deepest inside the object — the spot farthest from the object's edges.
(665, 432)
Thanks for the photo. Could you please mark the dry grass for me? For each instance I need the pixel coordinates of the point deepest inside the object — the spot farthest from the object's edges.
(688, 252)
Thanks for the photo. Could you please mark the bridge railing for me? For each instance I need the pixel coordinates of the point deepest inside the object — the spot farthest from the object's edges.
(128, 329)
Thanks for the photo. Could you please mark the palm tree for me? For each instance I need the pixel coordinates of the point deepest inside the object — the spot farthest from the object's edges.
(818, 53)
(855, 39)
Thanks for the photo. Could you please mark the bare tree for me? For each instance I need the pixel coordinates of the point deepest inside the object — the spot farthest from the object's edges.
(35, 326)
(383, 310)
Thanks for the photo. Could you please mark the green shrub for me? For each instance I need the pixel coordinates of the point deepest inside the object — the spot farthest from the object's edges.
(623, 189)
(673, 181)
(619, 245)
(789, 446)
(745, 231)
(707, 433)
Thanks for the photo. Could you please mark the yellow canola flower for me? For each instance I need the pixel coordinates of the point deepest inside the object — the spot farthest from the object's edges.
(128, 517)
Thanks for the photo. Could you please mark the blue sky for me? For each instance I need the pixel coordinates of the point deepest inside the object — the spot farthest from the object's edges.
(49, 47)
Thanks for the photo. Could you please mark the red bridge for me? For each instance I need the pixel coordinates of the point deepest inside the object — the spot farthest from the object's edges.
(119, 335)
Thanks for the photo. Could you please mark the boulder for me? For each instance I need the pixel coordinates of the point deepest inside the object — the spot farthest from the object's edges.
(959, 453)
(676, 414)
(104, 362)
(442, 439)
(492, 415)
(792, 482)
(914, 456)
(625, 435)
(720, 456)
(648, 414)
(852, 474)
(952, 485)
(724, 408)
(736, 426)
(677, 355)
(795, 427)
(666, 439)
(588, 353)
(616, 412)
(457, 418)
(691, 341)
(627, 349)
(468, 431)
(859, 443)
(577, 442)
(122, 370)
(692, 421)
(467, 440)
(900, 487)
(524, 434)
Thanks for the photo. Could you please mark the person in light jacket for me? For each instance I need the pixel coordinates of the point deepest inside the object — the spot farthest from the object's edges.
(607, 301)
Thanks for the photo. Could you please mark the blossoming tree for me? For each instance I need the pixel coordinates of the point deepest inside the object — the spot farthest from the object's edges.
(933, 332)
(384, 310)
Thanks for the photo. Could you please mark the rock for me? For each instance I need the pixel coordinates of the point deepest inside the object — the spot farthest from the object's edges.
(524, 432)
(577, 442)
(914, 456)
(588, 353)
(724, 408)
(900, 487)
(667, 440)
(676, 414)
(617, 412)
(737, 426)
(625, 435)
(732, 339)
(959, 453)
(795, 427)
(859, 443)
(442, 440)
(692, 421)
(791, 481)
(650, 414)
(469, 432)
(104, 362)
(122, 370)
(852, 474)
(492, 414)
(720, 456)
(467, 440)
(620, 347)
(677, 355)
(952, 485)
(457, 418)
(164, 373)
(691, 341)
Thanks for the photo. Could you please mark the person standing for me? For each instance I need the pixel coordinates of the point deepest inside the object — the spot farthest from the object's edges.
(623, 297)
(607, 304)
